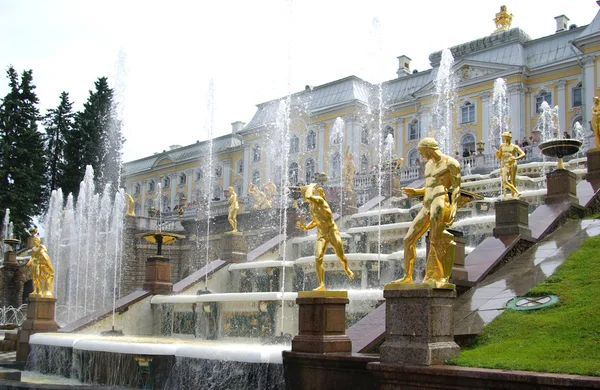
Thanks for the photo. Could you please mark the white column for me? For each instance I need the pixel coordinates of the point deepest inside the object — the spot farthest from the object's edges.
(190, 183)
(247, 170)
(588, 90)
(400, 137)
(516, 112)
(227, 173)
(143, 184)
(320, 147)
(485, 120)
(174, 177)
(562, 109)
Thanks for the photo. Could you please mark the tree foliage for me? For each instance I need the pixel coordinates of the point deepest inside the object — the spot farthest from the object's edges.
(22, 157)
(58, 123)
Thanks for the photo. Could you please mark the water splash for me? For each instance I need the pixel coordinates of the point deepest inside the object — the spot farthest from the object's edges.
(445, 90)
(210, 107)
(337, 138)
(500, 115)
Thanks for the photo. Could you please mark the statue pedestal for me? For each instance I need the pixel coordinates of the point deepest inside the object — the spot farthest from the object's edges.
(10, 259)
(322, 322)
(350, 202)
(233, 247)
(158, 275)
(512, 217)
(458, 269)
(40, 318)
(593, 164)
(419, 325)
(562, 187)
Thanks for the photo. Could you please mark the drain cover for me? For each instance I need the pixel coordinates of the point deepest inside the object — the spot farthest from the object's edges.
(532, 303)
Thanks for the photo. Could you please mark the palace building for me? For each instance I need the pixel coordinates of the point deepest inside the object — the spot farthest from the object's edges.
(561, 69)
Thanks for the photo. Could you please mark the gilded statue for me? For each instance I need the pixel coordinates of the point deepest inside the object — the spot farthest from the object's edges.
(42, 272)
(349, 170)
(270, 190)
(130, 205)
(234, 206)
(327, 232)
(441, 200)
(260, 199)
(508, 164)
(503, 20)
(596, 120)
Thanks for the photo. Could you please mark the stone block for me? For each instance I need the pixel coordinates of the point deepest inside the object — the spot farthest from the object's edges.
(593, 164)
(322, 322)
(419, 325)
(10, 374)
(562, 187)
(512, 217)
(40, 319)
(233, 247)
(158, 275)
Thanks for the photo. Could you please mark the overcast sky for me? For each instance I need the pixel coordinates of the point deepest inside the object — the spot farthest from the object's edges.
(254, 51)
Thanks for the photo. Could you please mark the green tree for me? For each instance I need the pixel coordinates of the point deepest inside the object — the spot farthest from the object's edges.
(22, 158)
(96, 140)
(58, 124)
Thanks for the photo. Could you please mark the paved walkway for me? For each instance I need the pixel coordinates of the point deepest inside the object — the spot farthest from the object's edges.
(480, 305)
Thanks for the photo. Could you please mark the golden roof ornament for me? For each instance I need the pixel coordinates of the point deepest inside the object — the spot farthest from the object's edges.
(503, 20)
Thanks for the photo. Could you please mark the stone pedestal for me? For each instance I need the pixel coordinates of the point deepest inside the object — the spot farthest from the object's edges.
(10, 259)
(233, 247)
(419, 325)
(458, 269)
(512, 217)
(593, 164)
(40, 318)
(562, 187)
(350, 207)
(322, 322)
(158, 275)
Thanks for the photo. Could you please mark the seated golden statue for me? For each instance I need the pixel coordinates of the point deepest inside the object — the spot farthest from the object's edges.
(234, 206)
(42, 272)
(441, 199)
(508, 164)
(327, 232)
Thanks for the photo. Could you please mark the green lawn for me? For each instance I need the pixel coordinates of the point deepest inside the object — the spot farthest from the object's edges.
(564, 338)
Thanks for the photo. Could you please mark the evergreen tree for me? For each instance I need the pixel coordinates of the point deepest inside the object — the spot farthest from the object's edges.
(95, 140)
(58, 124)
(22, 158)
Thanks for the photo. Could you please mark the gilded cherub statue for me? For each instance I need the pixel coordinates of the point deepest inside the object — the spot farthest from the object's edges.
(508, 164)
(503, 20)
(441, 200)
(269, 190)
(260, 200)
(349, 170)
(327, 232)
(234, 206)
(596, 120)
(42, 272)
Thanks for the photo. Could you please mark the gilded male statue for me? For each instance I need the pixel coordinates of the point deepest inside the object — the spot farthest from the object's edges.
(508, 154)
(349, 170)
(130, 205)
(260, 200)
(596, 120)
(327, 232)
(441, 196)
(234, 206)
(269, 190)
(42, 272)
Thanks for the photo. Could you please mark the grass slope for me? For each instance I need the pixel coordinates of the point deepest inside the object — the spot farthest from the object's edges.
(564, 338)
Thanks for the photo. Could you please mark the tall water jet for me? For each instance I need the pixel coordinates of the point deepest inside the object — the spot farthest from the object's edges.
(500, 115)
(85, 241)
(337, 138)
(445, 91)
(210, 108)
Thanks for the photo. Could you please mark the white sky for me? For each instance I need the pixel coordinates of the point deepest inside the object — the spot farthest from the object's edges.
(254, 51)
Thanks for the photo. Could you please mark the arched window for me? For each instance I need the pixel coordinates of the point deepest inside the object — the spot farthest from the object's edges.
(199, 174)
(197, 195)
(414, 130)
(388, 130)
(182, 178)
(276, 175)
(136, 208)
(218, 171)
(310, 170)
(164, 204)
(151, 186)
(294, 144)
(364, 164)
(136, 189)
(256, 153)
(293, 173)
(467, 113)
(239, 166)
(256, 178)
(543, 97)
(238, 186)
(166, 182)
(467, 144)
(413, 158)
(336, 165)
(577, 95)
(364, 135)
(311, 140)
(217, 192)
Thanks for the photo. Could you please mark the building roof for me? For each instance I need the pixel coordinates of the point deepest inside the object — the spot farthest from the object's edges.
(590, 32)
